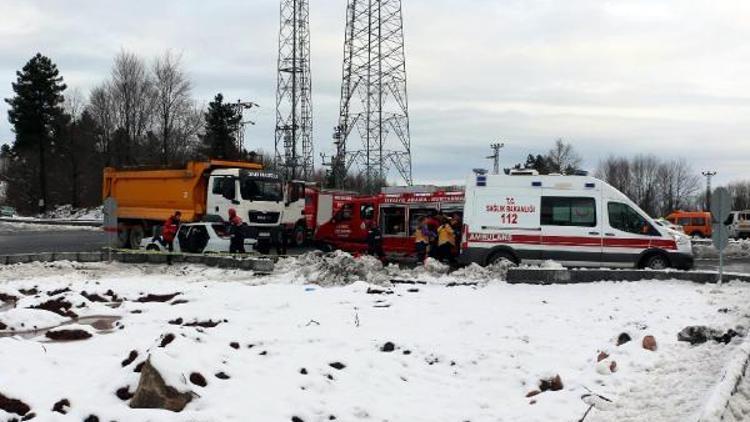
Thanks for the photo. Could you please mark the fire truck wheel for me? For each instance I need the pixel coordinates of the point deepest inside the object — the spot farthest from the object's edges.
(298, 235)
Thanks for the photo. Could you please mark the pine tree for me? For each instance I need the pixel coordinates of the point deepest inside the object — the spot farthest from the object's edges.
(35, 112)
(222, 122)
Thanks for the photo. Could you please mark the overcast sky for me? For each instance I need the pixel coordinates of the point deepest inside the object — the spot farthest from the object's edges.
(668, 77)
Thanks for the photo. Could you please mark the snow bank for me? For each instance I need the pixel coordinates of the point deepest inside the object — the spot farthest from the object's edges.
(67, 212)
(736, 249)
(272, 348)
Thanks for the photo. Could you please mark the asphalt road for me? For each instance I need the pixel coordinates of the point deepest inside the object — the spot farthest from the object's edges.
(51, 241)
(72, 240)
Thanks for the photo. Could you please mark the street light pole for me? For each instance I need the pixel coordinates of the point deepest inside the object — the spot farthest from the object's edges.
(708, 174)
(495, 157)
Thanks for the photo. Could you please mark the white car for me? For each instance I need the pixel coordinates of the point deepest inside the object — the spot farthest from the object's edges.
(201, 237)
(738, 224)
(665, 223)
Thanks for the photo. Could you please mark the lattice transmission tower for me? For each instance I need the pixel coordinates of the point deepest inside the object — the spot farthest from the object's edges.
(293, 137)
(374, 108)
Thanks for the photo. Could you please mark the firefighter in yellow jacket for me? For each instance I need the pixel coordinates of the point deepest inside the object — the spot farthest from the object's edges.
(446, 241)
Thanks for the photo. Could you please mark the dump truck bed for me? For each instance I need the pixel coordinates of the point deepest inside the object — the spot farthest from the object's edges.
(155, 194)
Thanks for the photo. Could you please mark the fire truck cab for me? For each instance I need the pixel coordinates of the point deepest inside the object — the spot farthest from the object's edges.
(396, 211)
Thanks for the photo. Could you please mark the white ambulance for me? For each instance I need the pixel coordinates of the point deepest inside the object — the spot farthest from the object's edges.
(578, 221)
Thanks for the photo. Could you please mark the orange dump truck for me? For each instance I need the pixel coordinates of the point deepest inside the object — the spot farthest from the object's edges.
(147, 197)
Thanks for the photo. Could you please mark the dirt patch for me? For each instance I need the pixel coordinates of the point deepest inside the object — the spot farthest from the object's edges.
(29, 292)
(58, 291)
(157, 298)
(552, 384)
(131, 357)
(124, 393)
(93, 297)
(61, 406)
(177, 321)
(13, 406)
(337, 365)
(166, 340)
(4, 297)
(204, 324)
(154, 393)
(222, 376)
(198, 379)
(58, 306)
(179, 302)
(67, 335)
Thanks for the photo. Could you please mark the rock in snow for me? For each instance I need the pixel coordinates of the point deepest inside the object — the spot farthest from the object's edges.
(154, 393)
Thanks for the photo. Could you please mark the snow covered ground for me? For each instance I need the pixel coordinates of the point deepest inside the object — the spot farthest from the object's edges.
(16, 227)
(334, 338)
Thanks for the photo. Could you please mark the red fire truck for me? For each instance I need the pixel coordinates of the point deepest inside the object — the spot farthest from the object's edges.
(397, 211)
(320, 205)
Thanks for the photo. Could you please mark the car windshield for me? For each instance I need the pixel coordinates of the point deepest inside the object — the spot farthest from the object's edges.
(256, 186)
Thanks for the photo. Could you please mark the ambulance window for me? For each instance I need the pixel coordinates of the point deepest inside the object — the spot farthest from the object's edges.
(623, 217)
(699, 221)
(366, 211)
(393, 221)
(567, 211)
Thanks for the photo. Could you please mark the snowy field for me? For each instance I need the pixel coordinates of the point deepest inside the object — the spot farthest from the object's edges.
(334, 339)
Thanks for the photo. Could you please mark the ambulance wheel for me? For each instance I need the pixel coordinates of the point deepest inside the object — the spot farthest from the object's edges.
(500, 256)
(655, 261)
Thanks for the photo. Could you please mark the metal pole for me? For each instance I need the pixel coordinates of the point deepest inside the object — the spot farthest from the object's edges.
(496, 157)
(708, 174)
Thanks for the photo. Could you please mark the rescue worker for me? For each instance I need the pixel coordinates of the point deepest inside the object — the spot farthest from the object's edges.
(458, 229)
(422, 238)
(446, 241)
(237, 236)
(433, 223)
(169, 230)
(374, 239)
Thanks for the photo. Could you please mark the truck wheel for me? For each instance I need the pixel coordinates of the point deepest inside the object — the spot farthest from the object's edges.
(299, 236)
(657, 261)
(123, 236)
(136, 236)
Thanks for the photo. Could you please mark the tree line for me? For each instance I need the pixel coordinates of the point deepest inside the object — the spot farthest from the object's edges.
(143, 114)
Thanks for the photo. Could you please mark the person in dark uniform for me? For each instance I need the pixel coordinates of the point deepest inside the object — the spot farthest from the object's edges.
(375, 240)
(236, 233)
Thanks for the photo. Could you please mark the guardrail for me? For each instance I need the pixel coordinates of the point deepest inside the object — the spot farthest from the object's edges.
(259, 265)
(53, 222)
(570, 276)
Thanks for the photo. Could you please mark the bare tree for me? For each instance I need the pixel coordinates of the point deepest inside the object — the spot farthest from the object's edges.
(74, 103)
(740, 192)
(102, 109)
(174, 105)
(563, 158)
(133, 96)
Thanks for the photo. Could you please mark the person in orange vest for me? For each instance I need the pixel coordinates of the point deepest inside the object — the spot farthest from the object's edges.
(169, 231)
(446, 241)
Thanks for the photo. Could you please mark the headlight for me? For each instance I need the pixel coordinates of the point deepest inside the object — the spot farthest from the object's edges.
(681, 240)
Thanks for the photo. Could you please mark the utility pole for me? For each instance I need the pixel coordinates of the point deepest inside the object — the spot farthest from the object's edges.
(708, 174)
(240, 107)
(495, 157)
